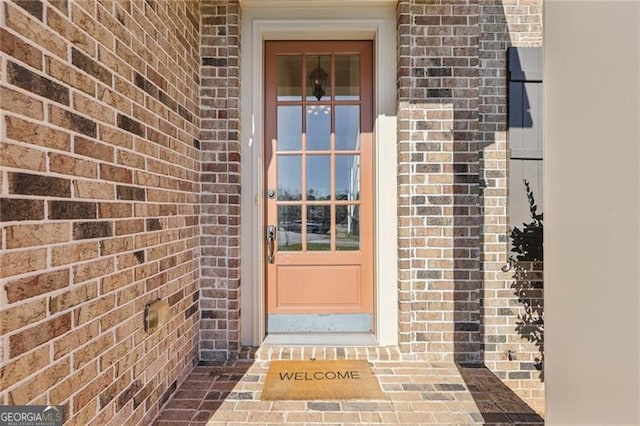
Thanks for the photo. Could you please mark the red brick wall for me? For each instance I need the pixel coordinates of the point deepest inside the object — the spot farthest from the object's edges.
(455, 302)
(120, 184)
(99, 203)
(438, 212)
(503, 24)
(220, 138)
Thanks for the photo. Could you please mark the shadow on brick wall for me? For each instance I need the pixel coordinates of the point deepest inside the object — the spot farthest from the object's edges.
(528, 285)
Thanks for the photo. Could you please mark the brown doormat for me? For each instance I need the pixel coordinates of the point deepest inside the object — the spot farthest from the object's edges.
(320, 380)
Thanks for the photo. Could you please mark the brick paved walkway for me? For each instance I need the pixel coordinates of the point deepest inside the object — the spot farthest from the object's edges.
(417, 392)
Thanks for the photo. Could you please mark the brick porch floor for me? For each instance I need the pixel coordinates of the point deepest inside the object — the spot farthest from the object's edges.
(417, 392)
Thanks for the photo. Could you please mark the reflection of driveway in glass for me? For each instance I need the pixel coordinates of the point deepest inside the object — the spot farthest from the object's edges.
(288, 238)
(347, 244)
(289, 235)
(296, 237)
(312, 227)
(346, 240)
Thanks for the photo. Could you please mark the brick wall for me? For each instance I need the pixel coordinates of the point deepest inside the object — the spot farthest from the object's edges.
(439, 180)
(99, 203)
(120, 185)
(503, 24)
(455, 302)
(220, 140)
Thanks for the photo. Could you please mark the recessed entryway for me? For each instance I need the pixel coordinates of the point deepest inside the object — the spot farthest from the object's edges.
(372, 307)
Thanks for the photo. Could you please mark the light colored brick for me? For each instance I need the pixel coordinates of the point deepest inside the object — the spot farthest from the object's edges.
(74, 253)
(74, 324)
(93, 109)
(115, 64)
(67, 30)
(21, 22)
(38, 385)
(19, 368)
(20, 103)
(20, 262)
(69, 75)
(36, 335)
(90, 392)
(94, 269)
(26, 288)
(93, 310)
(118, 351)
(90, 25)
(94, 190)
(92, 350)
(64, 164)
(16, 47)
(73, 297)
(76, 338)
(20, 316)
(19, 236)
(19, 157)
(77, 380)
(29, 132)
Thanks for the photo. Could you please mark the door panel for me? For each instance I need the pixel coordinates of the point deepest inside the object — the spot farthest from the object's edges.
(301, 288)
(319, 178)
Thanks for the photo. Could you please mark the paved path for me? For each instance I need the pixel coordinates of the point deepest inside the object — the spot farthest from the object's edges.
(417, 392)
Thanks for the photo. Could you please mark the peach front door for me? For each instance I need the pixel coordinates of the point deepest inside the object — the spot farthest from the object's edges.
(319, 174)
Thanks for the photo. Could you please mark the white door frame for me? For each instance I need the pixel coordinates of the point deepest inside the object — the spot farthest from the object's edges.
(318, 22)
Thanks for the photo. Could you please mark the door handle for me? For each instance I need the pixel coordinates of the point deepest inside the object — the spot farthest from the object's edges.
(271, 242)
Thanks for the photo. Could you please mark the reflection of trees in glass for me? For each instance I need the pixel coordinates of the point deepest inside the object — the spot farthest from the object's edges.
(348, 218)
(343, 195)
(287, 195)
(312, 195)
(289, 217)
(288, 224)
(318, 219)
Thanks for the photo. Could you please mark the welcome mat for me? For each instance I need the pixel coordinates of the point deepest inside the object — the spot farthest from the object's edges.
(320, 380)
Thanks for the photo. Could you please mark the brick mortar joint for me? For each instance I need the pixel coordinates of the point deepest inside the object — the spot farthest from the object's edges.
(98, 44)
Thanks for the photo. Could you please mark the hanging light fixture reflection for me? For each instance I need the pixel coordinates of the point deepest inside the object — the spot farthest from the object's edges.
(318, 80)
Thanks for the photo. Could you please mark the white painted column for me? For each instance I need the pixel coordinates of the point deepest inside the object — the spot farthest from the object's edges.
(592, 212)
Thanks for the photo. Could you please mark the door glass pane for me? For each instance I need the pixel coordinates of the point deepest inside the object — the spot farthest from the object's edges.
(289, 228)
(347, 77)
(347, 177)
(318, 228)
(289, 128)
(348, 227)
(289, 177)
(318, 177)
(318, 127)
(289, 78)
(318, 78)
(347, 127)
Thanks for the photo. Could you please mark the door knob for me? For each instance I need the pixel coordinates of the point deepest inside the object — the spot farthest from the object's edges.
(271, 239)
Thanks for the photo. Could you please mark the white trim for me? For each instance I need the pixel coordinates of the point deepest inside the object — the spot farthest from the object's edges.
(260, 24)
(254, 4)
